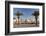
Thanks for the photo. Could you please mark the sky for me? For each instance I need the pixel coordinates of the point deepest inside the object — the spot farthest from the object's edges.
(27, 12)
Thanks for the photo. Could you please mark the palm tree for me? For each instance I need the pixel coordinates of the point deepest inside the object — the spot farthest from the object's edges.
(36, 14)
(18, 14)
